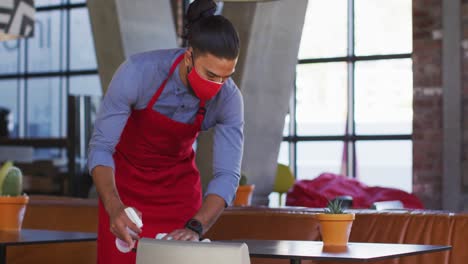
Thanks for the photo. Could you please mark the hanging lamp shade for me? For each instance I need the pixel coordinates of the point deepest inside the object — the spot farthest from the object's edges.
(16, 19)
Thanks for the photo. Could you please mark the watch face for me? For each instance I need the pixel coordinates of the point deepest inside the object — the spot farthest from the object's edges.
(195, 225)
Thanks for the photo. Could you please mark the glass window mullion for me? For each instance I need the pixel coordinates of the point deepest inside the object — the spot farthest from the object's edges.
(24, 131)
(350, 161)
(293, 130)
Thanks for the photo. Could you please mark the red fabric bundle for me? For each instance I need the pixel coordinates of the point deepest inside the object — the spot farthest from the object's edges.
(316, 193)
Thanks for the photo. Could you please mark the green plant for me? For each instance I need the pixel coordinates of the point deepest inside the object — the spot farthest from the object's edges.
(334, 207)
(243, 179)
(11, 180)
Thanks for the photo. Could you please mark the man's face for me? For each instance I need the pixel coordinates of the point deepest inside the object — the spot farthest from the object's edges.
(210, 67)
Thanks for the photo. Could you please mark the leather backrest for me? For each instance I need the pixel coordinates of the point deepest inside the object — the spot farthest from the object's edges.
(410, 227)
(265, 224)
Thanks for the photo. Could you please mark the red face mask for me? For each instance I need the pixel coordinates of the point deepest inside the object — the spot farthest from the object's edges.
(204, 89)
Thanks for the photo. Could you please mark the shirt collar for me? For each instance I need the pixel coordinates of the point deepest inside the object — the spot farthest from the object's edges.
(181, 88)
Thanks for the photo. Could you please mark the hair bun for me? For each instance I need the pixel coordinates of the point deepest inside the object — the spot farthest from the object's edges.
(200, 9)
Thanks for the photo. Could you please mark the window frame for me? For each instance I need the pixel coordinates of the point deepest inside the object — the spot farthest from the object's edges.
(350, 137)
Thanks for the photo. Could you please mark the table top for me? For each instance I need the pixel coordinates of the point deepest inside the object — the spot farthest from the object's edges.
(314, 250)
(35, 236)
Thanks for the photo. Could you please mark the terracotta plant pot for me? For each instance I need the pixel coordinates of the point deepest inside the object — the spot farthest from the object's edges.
(244, 195)
(12, 210)
(335, 228)
(335, 249)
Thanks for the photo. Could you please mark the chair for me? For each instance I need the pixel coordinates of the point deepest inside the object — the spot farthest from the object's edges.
(283, 181)
(182, 252)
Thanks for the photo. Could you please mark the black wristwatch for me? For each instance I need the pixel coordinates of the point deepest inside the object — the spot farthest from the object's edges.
(195, 225)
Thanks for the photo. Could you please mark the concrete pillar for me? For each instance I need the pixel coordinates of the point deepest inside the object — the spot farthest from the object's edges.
(122, 28)
(452, 106)
(270, 35)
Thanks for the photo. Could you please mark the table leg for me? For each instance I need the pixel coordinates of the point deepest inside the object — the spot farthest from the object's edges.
(2, 254)
(295, 261)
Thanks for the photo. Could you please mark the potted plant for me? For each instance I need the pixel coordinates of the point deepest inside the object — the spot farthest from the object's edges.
(335, 224)
(12, 201)
(244, 192)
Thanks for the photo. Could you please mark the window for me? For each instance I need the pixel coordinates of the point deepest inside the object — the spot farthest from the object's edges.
(44, 3)
(385, 163)
(325, 21)
(85, 85)
(45, 50)
(383, 28)
(43, 108)
(83, 55)
(39, 73)
(383, 97)
(11, 53)
(321, 99)
(315, 157)
(353, 88)
(9, 102)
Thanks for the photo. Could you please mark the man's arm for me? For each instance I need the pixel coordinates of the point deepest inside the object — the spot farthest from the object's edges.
(103, 178)
(213, 206)
(112, 117)
(227, 149)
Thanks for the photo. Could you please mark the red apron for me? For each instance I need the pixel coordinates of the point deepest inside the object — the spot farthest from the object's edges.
(155, 172)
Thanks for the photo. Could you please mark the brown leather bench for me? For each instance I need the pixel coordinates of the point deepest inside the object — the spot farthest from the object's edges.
(422, 227)
(412, 227)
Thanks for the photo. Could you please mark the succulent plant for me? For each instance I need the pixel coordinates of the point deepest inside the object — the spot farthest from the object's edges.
(11, 180)
(334, 207)
(243, 179)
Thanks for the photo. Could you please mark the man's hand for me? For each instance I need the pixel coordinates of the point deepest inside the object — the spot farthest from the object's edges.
(182, 234)
(103, 178)
(212, 207)
(119, 222)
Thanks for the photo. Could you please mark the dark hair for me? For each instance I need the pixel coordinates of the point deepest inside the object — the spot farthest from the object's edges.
(209, 33)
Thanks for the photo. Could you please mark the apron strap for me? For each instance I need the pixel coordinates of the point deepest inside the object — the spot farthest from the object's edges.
(201, 109)
(161, 88)
(200, 114)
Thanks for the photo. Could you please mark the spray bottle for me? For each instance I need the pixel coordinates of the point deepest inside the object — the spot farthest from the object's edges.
(121, 245)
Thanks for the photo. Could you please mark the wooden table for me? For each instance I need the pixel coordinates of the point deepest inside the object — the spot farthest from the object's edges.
(296, 251)
(32, 236)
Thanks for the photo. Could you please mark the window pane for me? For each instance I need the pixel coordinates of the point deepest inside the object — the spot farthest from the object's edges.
(48, 153)
(321, 98)
(383, 27)
(274, 199)
(9, 57)
(85, 85)
(44, 106)
(287, 123)
(9, 102)
(82, 54)
(283, 156)
(314, 158)
(46, 49)
(325, 30)
(49, 2)
(385, 163)
(384, 97)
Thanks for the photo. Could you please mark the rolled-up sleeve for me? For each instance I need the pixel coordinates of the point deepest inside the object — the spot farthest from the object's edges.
(228, 148)
(115, 108)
